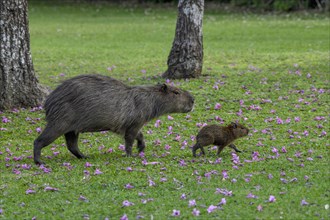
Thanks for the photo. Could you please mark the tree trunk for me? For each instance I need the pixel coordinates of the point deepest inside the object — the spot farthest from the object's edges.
(186, 56)
(18, 84)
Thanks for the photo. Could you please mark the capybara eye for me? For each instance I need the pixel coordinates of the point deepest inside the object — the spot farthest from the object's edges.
(176, 92)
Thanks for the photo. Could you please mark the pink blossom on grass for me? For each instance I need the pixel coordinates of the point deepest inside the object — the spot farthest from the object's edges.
(141, 194)
(48, 188)
(288, 120)
(323, 133)
(86, 173)
(30, 191)
(163, 179)
(225, 174)
(272, 198)
(82, 198)
(224, 192)
(151, 183)
(293, 180)
(5, 119)
(182, 163)
(259, 208)
(212, 208)
(87, 164)
(279, 120)
(176, 213)
(195, 212)
(129, 186)
(157, 123)
(260, 144)
(192, 203)
(284, 180)
(223, 201)
(97, 172)
(290, 159)
(26, 166)
(127, 203)
(251, 196)
(121, 147)
(217, 106)
(124, 217)
(141, 154)
(303, 202)
(45, 169)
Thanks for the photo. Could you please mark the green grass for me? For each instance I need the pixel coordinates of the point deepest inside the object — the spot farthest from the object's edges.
(277, 63)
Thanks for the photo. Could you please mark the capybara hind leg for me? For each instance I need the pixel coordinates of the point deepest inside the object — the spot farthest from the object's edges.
(72, 144)
(140, 142)
(130, 135)
(234, 147)
(46, 137)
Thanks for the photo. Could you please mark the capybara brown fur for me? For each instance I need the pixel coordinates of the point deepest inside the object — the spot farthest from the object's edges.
(221, 136)
(90, 103)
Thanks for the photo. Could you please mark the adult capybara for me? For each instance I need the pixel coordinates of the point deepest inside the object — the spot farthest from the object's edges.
(220, 136)
(89, 103)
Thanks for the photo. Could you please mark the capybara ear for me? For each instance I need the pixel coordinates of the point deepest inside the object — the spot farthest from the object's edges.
(164, 88)
(234, 125)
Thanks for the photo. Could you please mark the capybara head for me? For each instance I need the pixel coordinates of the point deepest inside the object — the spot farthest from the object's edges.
(238, 129)
(177, 100)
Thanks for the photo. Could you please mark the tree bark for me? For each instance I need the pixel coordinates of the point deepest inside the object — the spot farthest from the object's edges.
(18, 84)
(186, 57)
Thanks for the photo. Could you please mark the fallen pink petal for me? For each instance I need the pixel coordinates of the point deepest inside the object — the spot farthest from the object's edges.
(212, 208)
(272, 198)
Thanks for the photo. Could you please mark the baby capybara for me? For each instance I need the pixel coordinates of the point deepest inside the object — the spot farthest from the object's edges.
(90, 103)
(220, 136)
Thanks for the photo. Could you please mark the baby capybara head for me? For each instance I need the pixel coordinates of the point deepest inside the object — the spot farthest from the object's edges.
(238, 129)
(176, 99)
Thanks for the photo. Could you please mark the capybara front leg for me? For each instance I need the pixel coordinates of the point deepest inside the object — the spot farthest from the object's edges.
(234, 147)
(196, 147)
(140, 142)
(72, 144)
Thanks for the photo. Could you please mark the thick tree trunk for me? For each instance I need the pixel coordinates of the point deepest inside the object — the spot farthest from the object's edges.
(186, 56)
(18, 84)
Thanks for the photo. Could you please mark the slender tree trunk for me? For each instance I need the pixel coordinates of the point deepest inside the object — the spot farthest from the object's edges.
(18, 84)
(186, 57)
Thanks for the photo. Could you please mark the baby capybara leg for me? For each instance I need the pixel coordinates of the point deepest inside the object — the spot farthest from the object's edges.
(72, 144)
(45, 138)
(234, 147)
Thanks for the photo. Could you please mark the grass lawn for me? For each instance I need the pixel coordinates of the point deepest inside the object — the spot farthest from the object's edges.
(270, 72)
